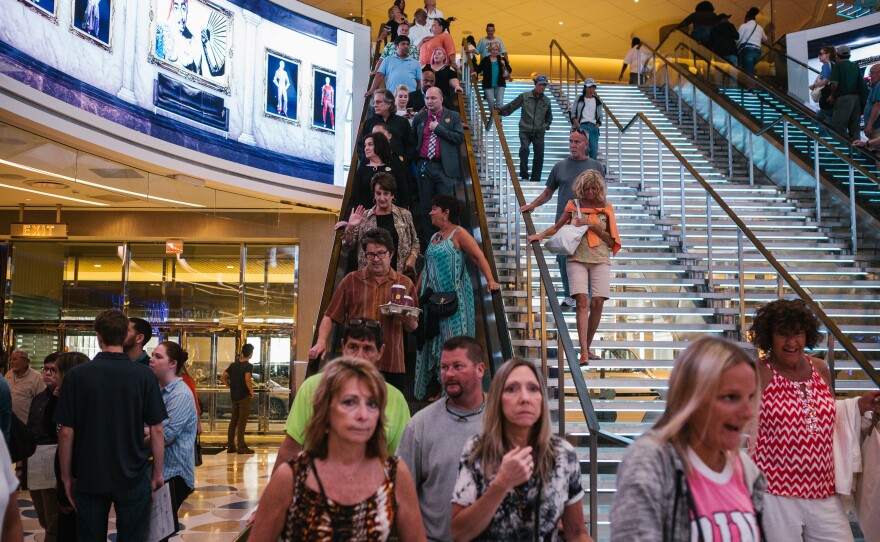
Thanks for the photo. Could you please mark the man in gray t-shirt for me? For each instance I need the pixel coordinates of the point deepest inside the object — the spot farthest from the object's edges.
(434, 438)
(562, 178)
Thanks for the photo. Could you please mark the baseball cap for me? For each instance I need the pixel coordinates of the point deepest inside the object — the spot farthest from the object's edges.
(542, 80)
(590, 82)
(843, 51)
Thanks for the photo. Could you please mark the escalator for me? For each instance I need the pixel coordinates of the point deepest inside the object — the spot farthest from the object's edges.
(781, 118)
(491, 324)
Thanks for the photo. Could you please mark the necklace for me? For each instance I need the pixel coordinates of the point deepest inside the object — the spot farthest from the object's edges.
(464, 417)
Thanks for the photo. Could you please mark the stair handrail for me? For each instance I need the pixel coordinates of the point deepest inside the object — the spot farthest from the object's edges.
(563, 335)
(733, 109)
(488, 251)
(743, 229)
(712, 60)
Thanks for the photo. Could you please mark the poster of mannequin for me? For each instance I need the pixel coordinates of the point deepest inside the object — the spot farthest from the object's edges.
(192, 38)
(93, 20)
(281, 81)
(323, 99)
(46, 8)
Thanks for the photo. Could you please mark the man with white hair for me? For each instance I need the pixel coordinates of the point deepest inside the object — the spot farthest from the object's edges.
(24, 382)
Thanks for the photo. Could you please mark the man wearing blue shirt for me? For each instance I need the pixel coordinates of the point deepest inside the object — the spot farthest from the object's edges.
(398, 69)
(872, 108)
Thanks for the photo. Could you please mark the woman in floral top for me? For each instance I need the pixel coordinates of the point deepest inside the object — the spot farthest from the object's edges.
(516, 480)
(589, 268)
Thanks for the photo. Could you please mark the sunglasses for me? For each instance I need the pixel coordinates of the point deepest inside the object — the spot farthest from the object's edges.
(578, 130)
(363, 322)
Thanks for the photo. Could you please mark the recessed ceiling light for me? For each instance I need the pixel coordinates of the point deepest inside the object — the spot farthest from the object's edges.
(46, 184)
(230, 267)
(526, 33)
(560, 22)
(97, 265)
(586, 35)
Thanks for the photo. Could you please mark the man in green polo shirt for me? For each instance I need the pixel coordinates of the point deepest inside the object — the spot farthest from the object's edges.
(361, 338)
(848, 95)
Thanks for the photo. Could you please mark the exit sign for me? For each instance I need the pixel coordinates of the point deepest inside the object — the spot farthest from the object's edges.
(38, 231)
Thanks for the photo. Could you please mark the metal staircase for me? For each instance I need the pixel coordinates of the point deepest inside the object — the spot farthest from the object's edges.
(707, 237)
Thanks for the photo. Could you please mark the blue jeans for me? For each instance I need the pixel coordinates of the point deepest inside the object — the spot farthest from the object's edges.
(494, 97)
(731, 59)
(749, 57)
(132, 512)
(537, 141)
(593, 134)
(561, 261)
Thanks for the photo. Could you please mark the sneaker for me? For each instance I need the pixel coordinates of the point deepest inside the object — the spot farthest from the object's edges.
(568, 302)
(245, 451)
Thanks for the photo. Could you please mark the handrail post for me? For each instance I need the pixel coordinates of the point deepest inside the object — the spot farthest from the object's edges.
(681, 199)
(852, 208)
(711, 130)
(641, 154)
(751, 160)
(660, 175)
(594, 482)
(742, 284)
(560, 379)
(816, 175)
(680, 120)
(654, 75)
(787, 156)
(605, 130)
(779, 286)
(619, 159)
(694, 111)
(709, 266)
(729, 145)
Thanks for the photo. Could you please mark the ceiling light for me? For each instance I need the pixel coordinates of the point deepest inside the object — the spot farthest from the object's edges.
(95, 185)
(526, 33)
(560, 22)
(230, 267)
(46, 184)
(97, 265)
(52, 195)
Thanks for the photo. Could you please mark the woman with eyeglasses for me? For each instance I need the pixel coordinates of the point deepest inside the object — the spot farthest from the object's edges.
(397, 221)
(445, 273)
(343, 485)
(689, 478)
(828, 58)
(516, 479)
(589, 268)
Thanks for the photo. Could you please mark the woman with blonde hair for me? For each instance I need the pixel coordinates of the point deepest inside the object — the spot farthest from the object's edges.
(689, 478)
(589, 268)
(517, 480)
(343, 485)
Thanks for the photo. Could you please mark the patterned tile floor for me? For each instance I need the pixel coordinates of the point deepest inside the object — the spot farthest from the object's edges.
(228, 487)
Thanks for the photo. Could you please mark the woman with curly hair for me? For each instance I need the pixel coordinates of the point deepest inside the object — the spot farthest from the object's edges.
(516, 479)
(796, 427)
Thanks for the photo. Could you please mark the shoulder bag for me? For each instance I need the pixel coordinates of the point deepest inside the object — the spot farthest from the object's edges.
(566, 240)
(445, 304)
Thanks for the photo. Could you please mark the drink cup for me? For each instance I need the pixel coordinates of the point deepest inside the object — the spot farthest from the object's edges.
(397, 293)
(408, 301)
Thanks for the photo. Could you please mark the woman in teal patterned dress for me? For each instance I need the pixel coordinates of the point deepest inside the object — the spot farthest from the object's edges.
(445, 272)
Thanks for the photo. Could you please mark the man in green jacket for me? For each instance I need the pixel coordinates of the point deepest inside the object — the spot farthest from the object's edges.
(534, 122)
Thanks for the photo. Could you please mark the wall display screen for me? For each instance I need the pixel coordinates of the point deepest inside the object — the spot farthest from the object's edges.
(247, 81)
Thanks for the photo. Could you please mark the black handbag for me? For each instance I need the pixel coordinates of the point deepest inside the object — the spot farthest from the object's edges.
(443, 304)
(198, 451)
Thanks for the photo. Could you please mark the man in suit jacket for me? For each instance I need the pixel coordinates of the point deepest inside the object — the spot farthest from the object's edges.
(417, 97)
(438, 133)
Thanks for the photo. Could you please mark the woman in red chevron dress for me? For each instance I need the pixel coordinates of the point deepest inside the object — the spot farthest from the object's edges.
(796, 427)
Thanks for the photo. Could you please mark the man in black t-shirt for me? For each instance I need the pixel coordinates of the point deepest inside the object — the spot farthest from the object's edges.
(237, 377)
(102, 409)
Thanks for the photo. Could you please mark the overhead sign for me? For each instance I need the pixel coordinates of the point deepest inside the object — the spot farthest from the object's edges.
(38, 231)
(174, 246)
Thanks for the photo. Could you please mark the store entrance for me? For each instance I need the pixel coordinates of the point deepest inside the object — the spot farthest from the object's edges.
(211, 350)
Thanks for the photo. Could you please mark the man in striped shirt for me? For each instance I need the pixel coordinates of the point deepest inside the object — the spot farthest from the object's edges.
(359, 295)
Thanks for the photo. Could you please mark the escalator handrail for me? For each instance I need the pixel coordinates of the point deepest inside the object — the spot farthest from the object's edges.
(829, 323)
(333, 265)
(486, 239)
(734, 109)
(711, 59)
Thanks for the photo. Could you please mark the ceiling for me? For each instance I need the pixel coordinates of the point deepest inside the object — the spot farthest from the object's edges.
(599, 28)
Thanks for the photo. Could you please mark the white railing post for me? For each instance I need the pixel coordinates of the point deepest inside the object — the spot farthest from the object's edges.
(709, 266)
(681, 199)
(660, 175)
(741, 272)
(816, 176)
(852, 208)
(787, 155)
(641, 154)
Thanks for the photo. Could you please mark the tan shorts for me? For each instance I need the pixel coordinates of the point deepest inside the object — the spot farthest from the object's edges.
(593, 279)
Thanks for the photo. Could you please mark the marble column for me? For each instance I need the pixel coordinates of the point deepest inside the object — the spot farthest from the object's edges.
(129, 50)
(251, 56)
